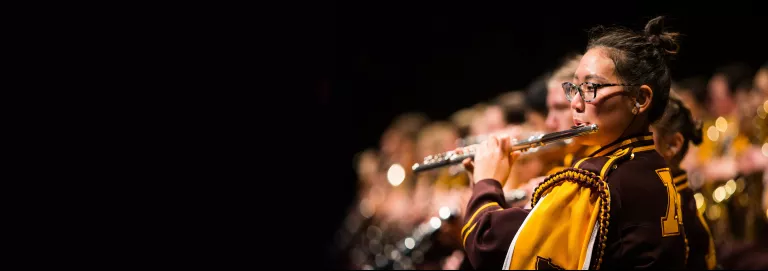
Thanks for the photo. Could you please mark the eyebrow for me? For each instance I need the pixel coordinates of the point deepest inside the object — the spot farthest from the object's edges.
(593, 76)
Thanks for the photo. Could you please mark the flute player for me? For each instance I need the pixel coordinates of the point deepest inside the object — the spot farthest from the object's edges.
(585, 216)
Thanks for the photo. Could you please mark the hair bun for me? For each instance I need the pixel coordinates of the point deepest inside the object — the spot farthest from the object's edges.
(666, 41)
(655, 26)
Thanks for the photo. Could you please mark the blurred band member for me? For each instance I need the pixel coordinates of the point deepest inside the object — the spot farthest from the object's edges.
(672, 136)
(479, 126)
(439, 190)
(516, 116)
(536, 103)
(435, 138)
(723, 141)
(761, 80)
(462, 119)
(513, 107)
(398, 153)
(398, 143)
(725, 86)
(371, 183)
(693, 94)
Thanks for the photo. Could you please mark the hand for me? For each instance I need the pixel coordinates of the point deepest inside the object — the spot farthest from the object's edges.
(751, 160)
(721, 169)
(493, 160)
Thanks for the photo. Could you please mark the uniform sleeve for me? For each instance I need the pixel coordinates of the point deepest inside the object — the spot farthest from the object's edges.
(489, 226)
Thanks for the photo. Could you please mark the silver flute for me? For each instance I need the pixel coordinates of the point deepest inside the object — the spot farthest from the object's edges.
(457, 156)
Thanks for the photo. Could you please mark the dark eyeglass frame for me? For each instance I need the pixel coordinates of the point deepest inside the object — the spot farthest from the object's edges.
(595, 86)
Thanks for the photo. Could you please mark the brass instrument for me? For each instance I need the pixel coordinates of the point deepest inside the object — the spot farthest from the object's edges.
(532, 142)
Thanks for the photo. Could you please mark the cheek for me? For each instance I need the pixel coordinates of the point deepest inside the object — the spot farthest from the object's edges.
(607, 113)
(611, 116)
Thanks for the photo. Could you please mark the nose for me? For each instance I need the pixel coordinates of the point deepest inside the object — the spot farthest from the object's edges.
(550, 122)
(577, 103)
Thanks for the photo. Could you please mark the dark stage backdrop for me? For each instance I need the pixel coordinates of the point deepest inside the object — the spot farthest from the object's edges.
(371, 62)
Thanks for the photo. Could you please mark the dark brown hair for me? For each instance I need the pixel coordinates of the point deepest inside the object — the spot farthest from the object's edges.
(641, 58)
(678, 118)
(536, 95)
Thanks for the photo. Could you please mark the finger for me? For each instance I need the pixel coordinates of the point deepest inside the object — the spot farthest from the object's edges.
(493, 144)
(505, 144)
(489, 141)
(481, 148)
(513, 157)
(516, 154)
(468, 165)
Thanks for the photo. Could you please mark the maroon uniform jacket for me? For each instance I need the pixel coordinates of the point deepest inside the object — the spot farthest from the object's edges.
(696, 233)
(640, 203)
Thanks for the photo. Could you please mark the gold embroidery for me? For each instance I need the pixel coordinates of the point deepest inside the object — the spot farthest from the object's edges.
(580, 161)
(671, 221)
(644, 148)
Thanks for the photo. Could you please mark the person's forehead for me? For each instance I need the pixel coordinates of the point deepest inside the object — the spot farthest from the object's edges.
(595, 63)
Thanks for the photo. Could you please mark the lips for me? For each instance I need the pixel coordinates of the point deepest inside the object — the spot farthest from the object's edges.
(578, 122)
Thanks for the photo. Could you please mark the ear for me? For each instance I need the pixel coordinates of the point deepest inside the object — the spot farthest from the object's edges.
(675, 143)
(644, 98)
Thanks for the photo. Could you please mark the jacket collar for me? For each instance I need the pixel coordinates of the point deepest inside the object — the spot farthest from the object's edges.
(641, 142)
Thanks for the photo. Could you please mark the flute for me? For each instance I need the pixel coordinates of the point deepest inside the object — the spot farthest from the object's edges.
(455, 157)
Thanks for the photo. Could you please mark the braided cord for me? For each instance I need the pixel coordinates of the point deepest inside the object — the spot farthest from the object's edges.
(587, 179)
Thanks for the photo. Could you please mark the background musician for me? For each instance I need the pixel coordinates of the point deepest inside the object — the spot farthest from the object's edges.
(536, 103)
(673, 134)
(739, 218)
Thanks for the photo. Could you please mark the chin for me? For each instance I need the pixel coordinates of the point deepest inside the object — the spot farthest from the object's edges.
(587, 140)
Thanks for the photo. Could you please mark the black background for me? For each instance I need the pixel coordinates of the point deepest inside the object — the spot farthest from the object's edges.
(370, 62)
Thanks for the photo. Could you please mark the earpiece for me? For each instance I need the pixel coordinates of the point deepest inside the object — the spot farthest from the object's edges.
(673, 149)
(637, 104)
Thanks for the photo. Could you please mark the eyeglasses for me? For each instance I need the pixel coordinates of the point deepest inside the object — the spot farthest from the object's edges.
(590, 93)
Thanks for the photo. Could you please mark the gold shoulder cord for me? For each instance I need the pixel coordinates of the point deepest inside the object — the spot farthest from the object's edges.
(584, 178)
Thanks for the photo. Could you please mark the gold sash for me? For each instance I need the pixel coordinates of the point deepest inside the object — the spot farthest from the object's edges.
(569, 218)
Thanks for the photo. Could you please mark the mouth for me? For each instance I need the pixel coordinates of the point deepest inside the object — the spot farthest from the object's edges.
(577, 122)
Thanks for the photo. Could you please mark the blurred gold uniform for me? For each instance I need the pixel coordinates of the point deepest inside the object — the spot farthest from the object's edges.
(731, 198)
(722, 138)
